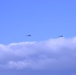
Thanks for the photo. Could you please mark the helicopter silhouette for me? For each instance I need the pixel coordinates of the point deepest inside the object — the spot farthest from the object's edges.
(28, 35)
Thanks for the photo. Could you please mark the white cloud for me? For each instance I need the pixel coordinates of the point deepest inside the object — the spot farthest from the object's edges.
(53, 54)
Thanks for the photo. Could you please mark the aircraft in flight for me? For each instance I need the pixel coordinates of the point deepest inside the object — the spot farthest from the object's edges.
(28, 35)
(60, 36)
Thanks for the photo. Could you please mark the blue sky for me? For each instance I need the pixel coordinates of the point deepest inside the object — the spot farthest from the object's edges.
(44, 53)
(43, 19)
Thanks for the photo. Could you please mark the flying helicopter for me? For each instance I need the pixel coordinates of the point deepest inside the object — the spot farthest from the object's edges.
(60, 36)
(28, 35)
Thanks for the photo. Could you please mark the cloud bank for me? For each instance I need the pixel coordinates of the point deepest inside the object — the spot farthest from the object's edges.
(53, 54)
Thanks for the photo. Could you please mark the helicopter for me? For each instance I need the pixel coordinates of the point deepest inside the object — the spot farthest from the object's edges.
(28, 35)
(60, 36)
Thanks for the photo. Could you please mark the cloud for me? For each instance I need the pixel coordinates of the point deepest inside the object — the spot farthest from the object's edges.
(53, 54)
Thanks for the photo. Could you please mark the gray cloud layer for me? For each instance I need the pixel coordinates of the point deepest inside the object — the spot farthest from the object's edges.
(53, 54)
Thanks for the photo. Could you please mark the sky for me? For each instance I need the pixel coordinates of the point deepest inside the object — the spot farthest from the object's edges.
(43, 19)
(44, 53)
